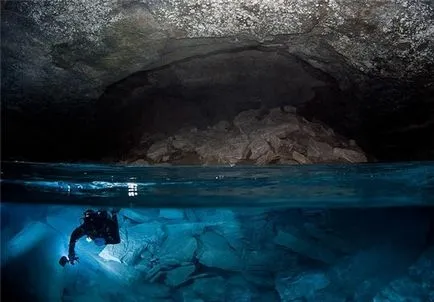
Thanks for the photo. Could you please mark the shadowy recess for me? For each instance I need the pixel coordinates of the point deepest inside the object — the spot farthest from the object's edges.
(105, 90)
(389, 119)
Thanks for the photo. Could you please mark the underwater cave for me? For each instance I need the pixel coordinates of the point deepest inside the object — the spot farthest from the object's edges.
(173, 83)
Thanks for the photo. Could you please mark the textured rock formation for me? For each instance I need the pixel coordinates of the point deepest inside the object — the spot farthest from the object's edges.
(306, 248)
(141, 241)
(346, 63)
(277, 137)
(303, 285)
(214, 248)
(179, 275)
(361, 255)
(100, 42)
(409, 286)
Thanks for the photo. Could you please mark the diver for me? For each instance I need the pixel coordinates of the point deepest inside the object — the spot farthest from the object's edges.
(99, 226)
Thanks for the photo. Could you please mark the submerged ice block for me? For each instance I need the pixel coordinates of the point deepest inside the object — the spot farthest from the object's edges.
(32, 256)
(258, 251)
(27, 239)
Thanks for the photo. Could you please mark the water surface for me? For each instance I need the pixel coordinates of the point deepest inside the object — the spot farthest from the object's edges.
(361, 185)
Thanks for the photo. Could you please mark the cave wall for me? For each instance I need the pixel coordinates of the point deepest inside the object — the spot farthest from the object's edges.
(389, 118)
(200, 92)
(61, 60)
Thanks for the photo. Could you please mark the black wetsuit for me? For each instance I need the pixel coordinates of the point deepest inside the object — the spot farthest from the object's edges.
(100, 225)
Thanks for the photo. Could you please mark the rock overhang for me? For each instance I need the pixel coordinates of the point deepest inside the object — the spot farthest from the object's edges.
(104, 41)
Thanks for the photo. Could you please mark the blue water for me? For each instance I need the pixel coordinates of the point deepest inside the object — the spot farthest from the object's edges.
(332, 233)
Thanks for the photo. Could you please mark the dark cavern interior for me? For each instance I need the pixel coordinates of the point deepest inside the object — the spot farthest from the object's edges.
(153, 84)
(87, 82)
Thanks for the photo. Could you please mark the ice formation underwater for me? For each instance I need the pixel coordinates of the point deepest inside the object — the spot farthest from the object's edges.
(213, 254)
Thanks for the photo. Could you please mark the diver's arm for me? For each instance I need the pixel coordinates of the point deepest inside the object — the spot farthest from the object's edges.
(76, 234)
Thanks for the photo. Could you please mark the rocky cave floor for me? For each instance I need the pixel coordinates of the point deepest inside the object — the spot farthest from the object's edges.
(278, 136)
(297, 255)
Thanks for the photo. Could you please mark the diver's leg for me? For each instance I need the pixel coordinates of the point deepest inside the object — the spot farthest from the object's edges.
(113, 236)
